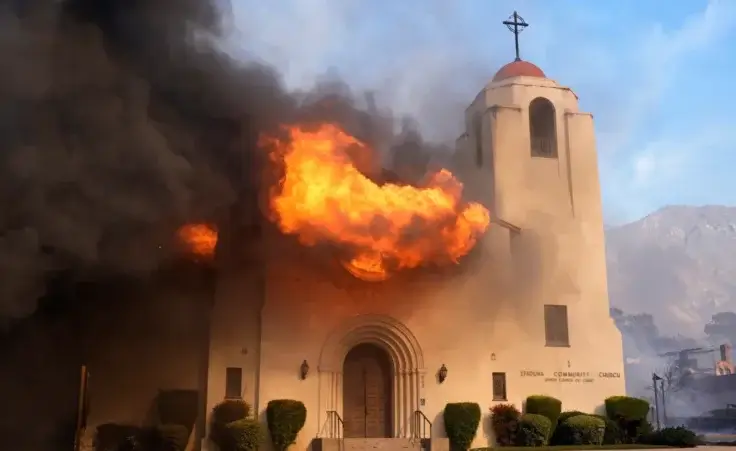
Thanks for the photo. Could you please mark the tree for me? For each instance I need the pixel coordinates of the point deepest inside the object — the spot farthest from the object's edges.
(673, 380)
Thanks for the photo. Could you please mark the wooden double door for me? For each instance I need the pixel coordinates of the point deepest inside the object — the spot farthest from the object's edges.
(367, 397)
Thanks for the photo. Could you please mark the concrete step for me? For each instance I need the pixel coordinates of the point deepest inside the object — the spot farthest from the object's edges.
(380, 444)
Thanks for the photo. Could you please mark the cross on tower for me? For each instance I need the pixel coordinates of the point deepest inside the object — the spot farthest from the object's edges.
(516, 26)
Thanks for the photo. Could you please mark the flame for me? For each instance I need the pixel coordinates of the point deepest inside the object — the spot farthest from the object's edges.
(200, 239)
(323, 197)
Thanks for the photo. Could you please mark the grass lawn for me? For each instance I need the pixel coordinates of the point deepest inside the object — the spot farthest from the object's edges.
(570, 447)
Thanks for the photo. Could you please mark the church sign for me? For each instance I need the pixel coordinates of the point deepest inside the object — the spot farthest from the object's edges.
(584, 377)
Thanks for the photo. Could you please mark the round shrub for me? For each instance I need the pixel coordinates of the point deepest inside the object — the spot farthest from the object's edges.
(583, 430)
(505, 423)
(230, 410)
(569, 414)
(680, 437)
(461, 423)
(630, 414)
(533, 430)
(545, 405)
(612, 434)
(626, 407)
(559, 437)
(243, 435)
(223, 414)
(285, 417)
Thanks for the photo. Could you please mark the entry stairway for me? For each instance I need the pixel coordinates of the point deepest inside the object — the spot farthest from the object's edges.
(421, 439)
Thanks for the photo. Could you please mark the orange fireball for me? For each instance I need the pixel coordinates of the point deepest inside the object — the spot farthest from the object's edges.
(199, 239)
(323, 197)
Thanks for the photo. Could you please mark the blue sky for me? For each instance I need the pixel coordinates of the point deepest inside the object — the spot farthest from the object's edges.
(657, 75)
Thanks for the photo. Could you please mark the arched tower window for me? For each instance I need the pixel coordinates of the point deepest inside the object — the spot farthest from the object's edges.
(542, 128)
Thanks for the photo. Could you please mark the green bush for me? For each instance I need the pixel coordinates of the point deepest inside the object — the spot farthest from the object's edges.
(285, 417)
(630, 414)
(243, 435)
(230, 410)
(461, 423)
(505, 423)
(680, 437)
(612, 434)
(558, 437)
(533, 430)
(223, 414)
(626, 407)
(582, 430)
(569, 414)
(547, 406)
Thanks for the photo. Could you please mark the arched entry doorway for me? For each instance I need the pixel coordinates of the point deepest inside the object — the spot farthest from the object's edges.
(367, 386)
(406, 364)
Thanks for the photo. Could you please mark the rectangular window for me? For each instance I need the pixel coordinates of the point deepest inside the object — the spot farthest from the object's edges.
(499, 386)
(233, 383)
(555, 325)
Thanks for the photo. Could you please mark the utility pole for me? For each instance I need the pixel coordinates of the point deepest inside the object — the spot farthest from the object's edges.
(656, 378)
(664, 408)
(82, 407)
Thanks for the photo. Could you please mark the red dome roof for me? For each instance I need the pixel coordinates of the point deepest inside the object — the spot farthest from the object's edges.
(518, 68)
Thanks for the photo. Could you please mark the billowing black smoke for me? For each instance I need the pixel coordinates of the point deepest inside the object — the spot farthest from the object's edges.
(121, 120)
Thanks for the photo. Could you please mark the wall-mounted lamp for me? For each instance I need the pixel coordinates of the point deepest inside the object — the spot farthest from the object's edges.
(304, 370)
(493, 356)
(442, 373)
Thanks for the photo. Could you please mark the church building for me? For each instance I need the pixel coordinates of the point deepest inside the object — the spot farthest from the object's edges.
(525, 313)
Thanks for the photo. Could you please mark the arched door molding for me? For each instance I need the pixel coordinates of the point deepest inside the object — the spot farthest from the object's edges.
(407, 363)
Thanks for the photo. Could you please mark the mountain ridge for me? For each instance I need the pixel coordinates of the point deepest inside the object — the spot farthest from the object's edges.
(677, 264)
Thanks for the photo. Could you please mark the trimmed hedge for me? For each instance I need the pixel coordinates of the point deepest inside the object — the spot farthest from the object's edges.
(223, 414)
(558, 437)
(461, 423)
(547, 406)
(626, 407)
(630, 414)
(285, 417)
(582, 430)
(680, 437)
(533, 430)
(243, 435)
(612, 435)
(569, 414)
(505, 423)
(230, 410)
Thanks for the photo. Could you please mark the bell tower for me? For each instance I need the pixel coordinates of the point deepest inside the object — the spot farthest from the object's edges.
(529, 153)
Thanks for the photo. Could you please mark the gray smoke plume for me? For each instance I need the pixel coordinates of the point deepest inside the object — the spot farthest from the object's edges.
(121, 120)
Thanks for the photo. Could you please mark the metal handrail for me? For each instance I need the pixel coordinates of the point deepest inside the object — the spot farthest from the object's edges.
(420, 425)
(336, 424)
